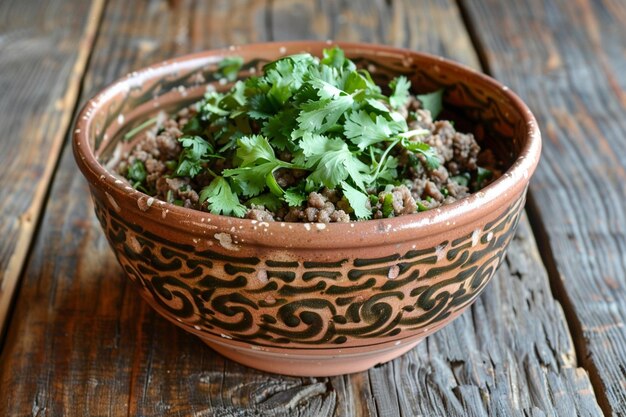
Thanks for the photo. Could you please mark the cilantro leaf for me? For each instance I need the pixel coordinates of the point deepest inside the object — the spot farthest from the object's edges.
(328, 119)
(377, 105)
(483, 174)
(193, 126)
(432, 159)
(252, 148)
(358, 200)
(320, 116)
(196, 152)
(279, 128)
(294, 197)
(236, 97)
(258, 162)
(388, 172)
(335, 57)
(229, 67)
(221, 198)
(400, 91)
(260, 107)
(364, 131)
(432, 102)
(331, 161)
(269, 201)
(326, 90)
(210, 107)
(136, 173)
(251, 179)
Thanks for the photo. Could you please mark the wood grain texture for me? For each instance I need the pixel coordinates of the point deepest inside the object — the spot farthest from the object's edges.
(567, 60)
(44, 48)
(81, 342)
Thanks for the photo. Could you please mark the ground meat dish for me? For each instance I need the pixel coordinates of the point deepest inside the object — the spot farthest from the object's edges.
(188, 157)
(457, 151)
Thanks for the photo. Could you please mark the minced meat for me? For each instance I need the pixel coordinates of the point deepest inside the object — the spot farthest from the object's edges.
(423, 189)
(419, 188)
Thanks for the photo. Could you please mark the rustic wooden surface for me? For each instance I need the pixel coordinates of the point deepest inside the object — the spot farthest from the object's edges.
(567, 60)
(43, 54)
(81, 343)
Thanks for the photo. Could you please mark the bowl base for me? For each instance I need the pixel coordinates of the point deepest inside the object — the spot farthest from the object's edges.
(335, 362)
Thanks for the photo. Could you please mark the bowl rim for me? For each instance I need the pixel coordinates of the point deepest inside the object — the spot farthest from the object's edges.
(512, 183)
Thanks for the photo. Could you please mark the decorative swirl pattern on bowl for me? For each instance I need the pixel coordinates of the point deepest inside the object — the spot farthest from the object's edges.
(298, 302)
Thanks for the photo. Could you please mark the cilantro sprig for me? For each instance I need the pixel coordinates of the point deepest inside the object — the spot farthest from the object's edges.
(324, 118)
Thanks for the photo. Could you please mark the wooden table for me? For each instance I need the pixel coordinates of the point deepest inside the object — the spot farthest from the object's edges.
(547, 338)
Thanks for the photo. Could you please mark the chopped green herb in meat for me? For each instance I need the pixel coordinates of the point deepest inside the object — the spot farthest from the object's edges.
(308, 140)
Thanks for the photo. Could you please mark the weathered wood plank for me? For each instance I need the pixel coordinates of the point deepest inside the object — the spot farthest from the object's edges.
(567, 61)
(82, 342)
(44, 47)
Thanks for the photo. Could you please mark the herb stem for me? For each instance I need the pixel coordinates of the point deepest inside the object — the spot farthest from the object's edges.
(139, 128)
(414, 132)
(382, 158)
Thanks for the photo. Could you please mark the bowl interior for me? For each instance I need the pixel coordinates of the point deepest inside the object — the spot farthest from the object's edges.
(475, 103)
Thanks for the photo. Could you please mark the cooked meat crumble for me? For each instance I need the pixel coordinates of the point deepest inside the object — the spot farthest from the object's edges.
(240, 153)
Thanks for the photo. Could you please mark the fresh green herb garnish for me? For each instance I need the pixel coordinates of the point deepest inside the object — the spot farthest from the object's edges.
(463, 180)
(388, 205)
(483, 175)
(421, 206)
(400, 92)
(229, 67)
(294, 197)
(136, 173)
(269, 201)
(324, 118)
(432, 101)
(195, 153)
(221, 198)
(131, 133)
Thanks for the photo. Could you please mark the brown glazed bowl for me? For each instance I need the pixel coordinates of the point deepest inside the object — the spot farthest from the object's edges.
(308, 299)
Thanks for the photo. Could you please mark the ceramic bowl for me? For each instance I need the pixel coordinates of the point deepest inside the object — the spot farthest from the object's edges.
(308, 299)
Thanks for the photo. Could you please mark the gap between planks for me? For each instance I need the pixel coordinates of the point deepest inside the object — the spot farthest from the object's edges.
(29, 220)
(574, 326)
(540, 235)
(534, 217)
